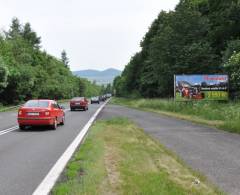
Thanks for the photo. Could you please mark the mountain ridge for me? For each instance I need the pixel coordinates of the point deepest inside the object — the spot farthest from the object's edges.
(100, 76)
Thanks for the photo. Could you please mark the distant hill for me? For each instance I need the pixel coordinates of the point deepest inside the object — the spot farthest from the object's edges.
(101, 77)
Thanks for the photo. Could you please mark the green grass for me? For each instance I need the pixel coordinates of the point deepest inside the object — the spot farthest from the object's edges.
(7, 108)
(119, 158)
(223, 115)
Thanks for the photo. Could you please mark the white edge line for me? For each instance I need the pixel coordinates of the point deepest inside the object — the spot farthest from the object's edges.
(51, 178)
(8, 130)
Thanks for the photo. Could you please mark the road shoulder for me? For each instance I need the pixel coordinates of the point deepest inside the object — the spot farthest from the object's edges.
(119, 158)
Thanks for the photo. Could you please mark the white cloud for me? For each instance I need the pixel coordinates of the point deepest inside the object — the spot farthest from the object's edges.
(95, 34)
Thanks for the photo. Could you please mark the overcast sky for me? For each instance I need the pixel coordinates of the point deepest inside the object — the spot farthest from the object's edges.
(97, 34)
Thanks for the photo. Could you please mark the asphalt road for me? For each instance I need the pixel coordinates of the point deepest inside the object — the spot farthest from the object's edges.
(214, 153)
(27, 156)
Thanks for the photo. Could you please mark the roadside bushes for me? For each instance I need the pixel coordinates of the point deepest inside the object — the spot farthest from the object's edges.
(233, 68)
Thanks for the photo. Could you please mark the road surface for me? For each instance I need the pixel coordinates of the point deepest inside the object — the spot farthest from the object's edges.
(27, 156)
(214, 153)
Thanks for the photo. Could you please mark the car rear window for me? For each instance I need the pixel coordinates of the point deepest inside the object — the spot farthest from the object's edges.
(78, 98)
(36, 104)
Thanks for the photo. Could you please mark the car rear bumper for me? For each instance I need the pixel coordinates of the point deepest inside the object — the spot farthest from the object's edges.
(78, 106)
(35, 121)
(93, 101)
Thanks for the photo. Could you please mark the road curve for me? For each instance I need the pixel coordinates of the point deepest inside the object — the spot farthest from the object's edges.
(27, 156)
(213, 152)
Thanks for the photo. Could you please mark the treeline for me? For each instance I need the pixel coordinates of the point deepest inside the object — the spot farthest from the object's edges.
(26, 71)
(198, 37)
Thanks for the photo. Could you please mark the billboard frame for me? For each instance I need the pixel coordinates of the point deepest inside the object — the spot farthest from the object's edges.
(196, 100)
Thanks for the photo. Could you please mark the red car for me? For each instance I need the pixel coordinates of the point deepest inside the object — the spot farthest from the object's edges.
(79, 103)
(40, 113)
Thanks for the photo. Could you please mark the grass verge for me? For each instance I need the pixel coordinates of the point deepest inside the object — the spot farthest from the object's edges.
(119, 158)
(222, 115)
(8, 108)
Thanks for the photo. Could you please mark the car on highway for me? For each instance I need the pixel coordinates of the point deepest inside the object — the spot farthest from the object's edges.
(95, 100)
(103, 98)
(79, 103)
(42, 112)
(108, 95)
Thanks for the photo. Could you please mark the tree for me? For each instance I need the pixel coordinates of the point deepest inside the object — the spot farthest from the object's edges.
(3, 75)
(15, 29)
(198, 37)
(233, 69)
(28, 72)
(30, 36)
(233, 46)
(108, 88)
(65, 59)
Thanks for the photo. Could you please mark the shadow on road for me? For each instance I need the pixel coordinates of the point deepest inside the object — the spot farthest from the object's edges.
(37, 129)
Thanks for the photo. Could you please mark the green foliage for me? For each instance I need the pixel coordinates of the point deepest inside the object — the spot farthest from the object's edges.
(233, 68)
(64, 58)
(27, 72)
(3, 75)
(198, 37)
(232, 47)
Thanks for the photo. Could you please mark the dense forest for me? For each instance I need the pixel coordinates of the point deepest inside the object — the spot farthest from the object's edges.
(198, 37)
(27, 71)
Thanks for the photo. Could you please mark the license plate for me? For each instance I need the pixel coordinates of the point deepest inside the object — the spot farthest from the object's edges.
(33, 113)
(77, 103)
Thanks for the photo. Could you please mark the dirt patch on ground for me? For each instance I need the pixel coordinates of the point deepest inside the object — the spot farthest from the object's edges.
(113, 180)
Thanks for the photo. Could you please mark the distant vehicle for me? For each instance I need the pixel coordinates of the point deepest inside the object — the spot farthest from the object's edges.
(79, 103)
(41, 113)
(95, 100)
(103, 98)
(109, 95)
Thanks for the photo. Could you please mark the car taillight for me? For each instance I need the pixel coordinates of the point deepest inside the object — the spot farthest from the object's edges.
(47, 113)
(19, 112)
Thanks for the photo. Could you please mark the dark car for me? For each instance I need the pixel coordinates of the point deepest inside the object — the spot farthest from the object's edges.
(103, 98)
(79, 103)
(95, 100)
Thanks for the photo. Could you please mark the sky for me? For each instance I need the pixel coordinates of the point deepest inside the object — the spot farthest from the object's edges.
(96, 34)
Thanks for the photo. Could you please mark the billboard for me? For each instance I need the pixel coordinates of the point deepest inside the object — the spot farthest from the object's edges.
(201, 87)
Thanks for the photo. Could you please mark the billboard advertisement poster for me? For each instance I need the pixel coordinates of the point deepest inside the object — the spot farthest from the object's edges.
(201, 87)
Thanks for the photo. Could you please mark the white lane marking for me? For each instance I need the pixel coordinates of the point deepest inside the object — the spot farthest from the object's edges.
(8, 130)
(51, 178)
